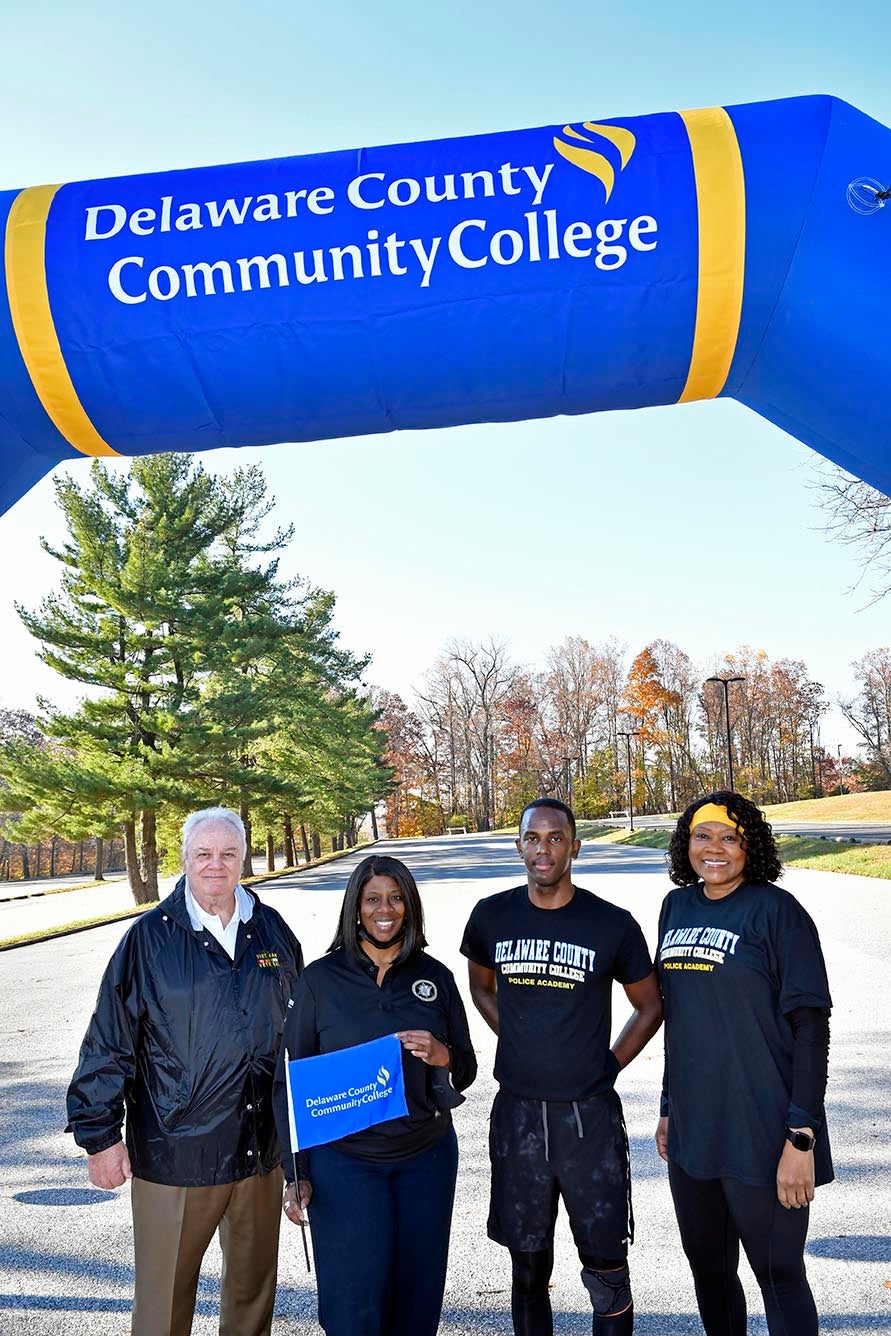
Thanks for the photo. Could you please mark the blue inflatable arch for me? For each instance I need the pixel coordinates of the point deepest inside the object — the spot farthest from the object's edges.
(735, 251)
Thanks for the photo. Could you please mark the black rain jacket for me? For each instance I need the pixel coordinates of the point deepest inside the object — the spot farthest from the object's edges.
(186, 1039)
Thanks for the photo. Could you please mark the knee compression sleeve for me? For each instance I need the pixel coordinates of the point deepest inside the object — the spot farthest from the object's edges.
(609, 1289)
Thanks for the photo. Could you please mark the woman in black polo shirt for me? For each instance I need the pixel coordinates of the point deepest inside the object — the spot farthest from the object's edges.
(746, 1049)
(382, 1198)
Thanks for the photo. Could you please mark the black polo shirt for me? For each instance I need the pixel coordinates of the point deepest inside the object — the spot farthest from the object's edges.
(338, 1003)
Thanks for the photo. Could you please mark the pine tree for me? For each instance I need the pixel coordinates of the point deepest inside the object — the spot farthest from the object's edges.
(146, 617)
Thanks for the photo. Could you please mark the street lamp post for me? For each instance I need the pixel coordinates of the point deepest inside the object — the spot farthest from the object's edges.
(628, 735)
(725, 683)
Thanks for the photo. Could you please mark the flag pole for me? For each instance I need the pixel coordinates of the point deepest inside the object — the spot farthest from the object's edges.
(292, 1127)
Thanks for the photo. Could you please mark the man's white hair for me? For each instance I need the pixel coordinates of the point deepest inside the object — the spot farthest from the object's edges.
(223, 814)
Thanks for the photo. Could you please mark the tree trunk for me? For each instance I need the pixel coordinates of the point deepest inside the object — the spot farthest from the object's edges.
(150, 853)
(80, 856)
(38, 851)
(290, 851)
(304, 840)
(247, 867)
(131, 855)
(374, 823)
(270, 852)
(26, 864)
(316, 845)
(52, 867)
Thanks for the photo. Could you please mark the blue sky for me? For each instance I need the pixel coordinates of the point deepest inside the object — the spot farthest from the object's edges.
(697, 523)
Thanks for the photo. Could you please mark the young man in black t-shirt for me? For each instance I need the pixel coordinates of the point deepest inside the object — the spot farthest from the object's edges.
(542, 961)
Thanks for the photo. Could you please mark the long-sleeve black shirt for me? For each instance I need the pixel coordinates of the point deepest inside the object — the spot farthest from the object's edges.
(338, 1003)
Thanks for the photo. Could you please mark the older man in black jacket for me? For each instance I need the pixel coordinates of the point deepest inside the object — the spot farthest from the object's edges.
(184, 1041)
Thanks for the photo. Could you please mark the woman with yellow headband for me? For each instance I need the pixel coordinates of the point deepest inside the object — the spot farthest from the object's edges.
(746, 1049)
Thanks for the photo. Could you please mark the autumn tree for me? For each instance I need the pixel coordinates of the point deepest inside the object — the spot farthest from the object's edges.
(868, 710)
(411, 752)
(653, 705)
(463, 699)
(579, 696)
(774, 721)
(520, 762)
(859, 517)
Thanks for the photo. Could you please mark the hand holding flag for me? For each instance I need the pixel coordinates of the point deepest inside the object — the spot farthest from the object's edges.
(297, 1198)
(334, 1094)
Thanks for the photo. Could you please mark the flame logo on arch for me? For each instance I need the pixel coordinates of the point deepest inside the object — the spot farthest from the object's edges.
(590, 159)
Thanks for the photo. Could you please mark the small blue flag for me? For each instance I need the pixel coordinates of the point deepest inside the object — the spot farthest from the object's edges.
(334, 1094)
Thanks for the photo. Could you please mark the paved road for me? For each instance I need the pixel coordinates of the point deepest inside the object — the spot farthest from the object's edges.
(65, 1252)
(36, 886)
(41, 912)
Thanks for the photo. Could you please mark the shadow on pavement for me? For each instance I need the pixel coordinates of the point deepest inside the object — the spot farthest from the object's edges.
(460, 1321)
(30, 1109)
(117, 1275)
(63, 1197)
(853, 1247)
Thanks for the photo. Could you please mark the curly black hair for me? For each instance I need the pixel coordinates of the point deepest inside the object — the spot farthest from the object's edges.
(762, 858)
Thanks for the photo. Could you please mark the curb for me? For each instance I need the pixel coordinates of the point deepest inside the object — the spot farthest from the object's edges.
(60, 890)
(70, 932)
(120, 917)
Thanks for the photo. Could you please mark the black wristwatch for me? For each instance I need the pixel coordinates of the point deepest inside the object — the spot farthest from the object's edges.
(800, 1140)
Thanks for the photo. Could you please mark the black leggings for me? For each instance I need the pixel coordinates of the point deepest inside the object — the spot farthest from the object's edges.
(714, 1216)
(530, 1303)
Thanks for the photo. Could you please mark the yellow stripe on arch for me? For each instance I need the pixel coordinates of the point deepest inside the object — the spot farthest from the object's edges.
(721, 200)
(32, 320)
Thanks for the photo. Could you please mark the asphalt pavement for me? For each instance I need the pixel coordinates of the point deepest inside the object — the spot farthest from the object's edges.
(50, 904)
(66, 1250)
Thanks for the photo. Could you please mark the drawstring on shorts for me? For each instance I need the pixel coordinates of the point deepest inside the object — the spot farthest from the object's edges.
(628, 1178)
(578, 1123)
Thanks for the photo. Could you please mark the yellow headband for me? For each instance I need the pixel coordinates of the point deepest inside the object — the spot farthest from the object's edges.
(712, 812)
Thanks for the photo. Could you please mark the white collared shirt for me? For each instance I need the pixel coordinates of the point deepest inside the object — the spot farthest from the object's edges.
(199, 918)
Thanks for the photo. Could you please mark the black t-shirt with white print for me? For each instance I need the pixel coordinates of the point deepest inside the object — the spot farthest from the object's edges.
(731, 971)
(555, 969)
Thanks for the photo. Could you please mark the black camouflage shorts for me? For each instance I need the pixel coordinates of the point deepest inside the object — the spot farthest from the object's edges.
(541, 1152)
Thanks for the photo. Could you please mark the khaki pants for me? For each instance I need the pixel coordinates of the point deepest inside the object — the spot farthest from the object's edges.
(172, 1228)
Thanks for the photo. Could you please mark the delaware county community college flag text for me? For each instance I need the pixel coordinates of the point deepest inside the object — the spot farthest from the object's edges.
(334, 1094)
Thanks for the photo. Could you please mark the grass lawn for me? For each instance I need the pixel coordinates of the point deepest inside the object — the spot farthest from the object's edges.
(593, 830)
(848, 807)
(76, 925)
(862, 860)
